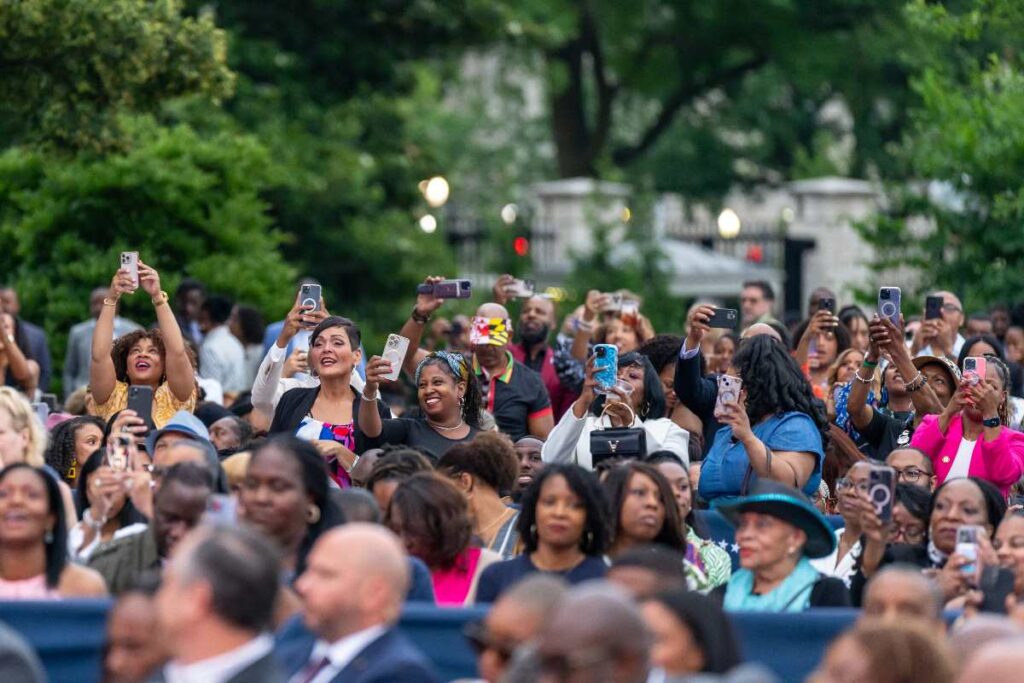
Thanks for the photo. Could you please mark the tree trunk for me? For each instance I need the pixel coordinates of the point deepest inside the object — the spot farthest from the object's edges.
(574, 153)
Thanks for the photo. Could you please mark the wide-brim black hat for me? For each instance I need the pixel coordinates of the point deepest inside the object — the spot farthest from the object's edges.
(789, 505)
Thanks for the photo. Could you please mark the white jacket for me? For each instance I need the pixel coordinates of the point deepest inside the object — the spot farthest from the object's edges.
(269, 386)
(569, 441)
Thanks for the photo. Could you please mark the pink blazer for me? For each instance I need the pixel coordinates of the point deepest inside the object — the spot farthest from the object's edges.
(1000, 462)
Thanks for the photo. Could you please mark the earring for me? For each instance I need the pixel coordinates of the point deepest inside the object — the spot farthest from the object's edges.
(590, 540)
(48, 537)
(312, 514)
(533, 533)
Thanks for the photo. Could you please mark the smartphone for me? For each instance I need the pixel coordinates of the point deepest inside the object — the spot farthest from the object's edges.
(130, 262)
(309, 295)
(724, 318)
(827, 303)
(447, 289)
(394, 352)
(889, 304)
(728, 392)
(118, 456)
(50, 400)
(140, 399)
(606, 365)
(975, 368)
(521, 289)
(967, 546)
(42, 412)
(613, 304)
(221, 509)
(882, 491)
(933, 307)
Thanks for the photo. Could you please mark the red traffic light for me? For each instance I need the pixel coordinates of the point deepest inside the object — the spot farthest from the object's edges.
(521, 246)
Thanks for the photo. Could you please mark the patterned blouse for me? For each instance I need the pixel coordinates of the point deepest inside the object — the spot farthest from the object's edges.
(707, 566)
(311, 429)
(165, 404)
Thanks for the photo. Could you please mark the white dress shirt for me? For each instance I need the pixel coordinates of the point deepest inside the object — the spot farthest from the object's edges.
(222, 667)
(842, 568)
(341, 653)
(222, 357)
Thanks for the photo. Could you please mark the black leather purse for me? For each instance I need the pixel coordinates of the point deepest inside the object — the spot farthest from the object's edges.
(617, 442)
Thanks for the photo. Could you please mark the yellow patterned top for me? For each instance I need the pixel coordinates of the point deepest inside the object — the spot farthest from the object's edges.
(165, 405)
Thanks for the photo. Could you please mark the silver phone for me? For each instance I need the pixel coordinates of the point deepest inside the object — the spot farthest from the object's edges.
(394, 352)
(130, 262)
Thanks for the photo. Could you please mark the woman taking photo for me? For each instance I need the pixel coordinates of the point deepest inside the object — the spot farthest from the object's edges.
(483, 470)
(431, 517)
(72, 442)
(774, 431)
(327, 415)
(638, 402)
(821, 339)
(449, 400)
(779, 532)
(284, 495)
(691, 635)
(34, 541)
(104, 508)
(156, 358)
(970, 437)
(856, 324)
(563, 528)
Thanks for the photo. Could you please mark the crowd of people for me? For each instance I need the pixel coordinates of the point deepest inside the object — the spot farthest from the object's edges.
(262, 500)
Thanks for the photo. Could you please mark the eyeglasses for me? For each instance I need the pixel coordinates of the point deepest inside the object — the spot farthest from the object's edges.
(910, 474)
(844, 483)
(481, 639)
(911, 534)
(951, 308)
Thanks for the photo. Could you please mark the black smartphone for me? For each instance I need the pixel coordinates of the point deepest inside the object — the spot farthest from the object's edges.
(140, 399)
(827, 303)
(51, 401)
(882, 490)
(447, 289)
(933, 307)
(725, 318)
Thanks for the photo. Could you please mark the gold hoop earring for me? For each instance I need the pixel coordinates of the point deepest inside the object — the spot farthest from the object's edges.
(312, 514)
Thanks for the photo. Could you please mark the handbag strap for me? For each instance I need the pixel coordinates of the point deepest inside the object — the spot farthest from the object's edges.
(746, 480)
(632, 415)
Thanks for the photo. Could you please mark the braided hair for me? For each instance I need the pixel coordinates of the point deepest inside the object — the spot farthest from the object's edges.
(60, 453)
(1004, 377)
(774, 383)
(456, 366)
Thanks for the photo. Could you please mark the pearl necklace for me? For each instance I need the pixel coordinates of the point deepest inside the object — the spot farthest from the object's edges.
(442, 427)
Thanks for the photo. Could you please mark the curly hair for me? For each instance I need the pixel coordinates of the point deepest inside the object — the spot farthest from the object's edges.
(662, 349)
(119, 353)
(60, 453)
(490, 457)
(584, 485)
(397, 463)
(435, 514)
(774, 383)
(616, 488)
(473, 397)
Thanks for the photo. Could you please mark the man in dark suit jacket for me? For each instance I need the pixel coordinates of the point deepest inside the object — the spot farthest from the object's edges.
(215, 604)
(353, 587)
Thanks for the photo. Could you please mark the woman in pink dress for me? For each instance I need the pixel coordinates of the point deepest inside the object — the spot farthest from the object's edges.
(431, 517)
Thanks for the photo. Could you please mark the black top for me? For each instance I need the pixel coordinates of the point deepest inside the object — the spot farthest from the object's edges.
(886, 433)
(827, 591)
(515, 397)
(295, 405)
(996, 582)
(413, 432)
(498, 577)
(699, 394)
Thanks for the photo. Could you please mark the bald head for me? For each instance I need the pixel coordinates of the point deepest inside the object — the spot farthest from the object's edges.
(899, 592)
(761, 328)
(999, 661)
(356, 577)
(598, 616)
(492, 310)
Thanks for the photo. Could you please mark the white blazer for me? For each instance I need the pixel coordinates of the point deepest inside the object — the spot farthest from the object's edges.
(569, 441)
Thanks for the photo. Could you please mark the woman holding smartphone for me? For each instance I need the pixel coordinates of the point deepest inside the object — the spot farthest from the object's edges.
(156, 358)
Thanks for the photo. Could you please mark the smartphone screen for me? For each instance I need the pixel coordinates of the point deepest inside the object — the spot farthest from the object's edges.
(606, 365)
(933, 307)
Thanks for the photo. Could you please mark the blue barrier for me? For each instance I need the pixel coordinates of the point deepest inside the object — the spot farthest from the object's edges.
(69, 637)
(721, 533)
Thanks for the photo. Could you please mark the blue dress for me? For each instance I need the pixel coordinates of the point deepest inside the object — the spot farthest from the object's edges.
(725, 465)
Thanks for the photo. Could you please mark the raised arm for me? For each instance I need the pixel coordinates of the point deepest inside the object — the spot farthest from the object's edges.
(585, 325)
(102, 377)
(181, 376)
(412, 330)
(696, 392)
(21, 368)
(370, 423)
(857, 403)
(822, 321)
(266, 388)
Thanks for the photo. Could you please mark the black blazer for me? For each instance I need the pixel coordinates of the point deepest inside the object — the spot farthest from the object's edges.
(698, 393)
(263, 670)
(295, 405)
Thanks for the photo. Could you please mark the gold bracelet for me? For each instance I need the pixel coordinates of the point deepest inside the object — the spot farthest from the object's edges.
(160, 298)
(107, 301)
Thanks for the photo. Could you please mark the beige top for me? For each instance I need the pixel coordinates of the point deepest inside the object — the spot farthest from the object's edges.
(165, 404)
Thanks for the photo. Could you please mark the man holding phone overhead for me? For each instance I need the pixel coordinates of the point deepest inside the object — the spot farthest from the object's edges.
(940, 334)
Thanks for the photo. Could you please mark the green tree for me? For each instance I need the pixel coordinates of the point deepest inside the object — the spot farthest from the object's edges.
(69, 68)
(963, 232)
(190, 205)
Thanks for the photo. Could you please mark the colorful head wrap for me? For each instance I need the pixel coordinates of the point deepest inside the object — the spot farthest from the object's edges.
(456, 364)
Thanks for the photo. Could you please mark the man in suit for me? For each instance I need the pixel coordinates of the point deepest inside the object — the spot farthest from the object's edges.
(38, 349)
(79, 354)
(353, 587)
(215, 605)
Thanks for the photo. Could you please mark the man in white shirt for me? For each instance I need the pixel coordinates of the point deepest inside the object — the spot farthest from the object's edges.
(221, 355)
(215, 605)
(355, 581)
(941, 336)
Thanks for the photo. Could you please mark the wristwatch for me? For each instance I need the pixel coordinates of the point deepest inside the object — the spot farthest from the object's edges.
(991, 422)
